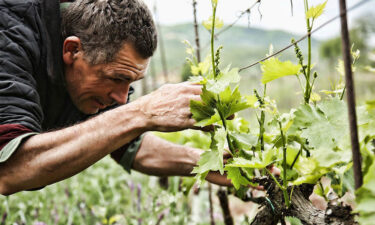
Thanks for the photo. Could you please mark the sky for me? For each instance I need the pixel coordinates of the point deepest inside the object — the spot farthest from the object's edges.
(276, 14)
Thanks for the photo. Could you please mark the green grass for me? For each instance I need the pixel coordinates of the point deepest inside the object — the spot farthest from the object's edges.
(105, 194)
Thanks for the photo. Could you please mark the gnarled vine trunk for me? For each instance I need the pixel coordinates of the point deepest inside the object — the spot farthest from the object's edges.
(273, 209)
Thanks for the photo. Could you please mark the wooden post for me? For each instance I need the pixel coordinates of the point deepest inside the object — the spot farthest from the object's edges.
(223, 199)
(196, 31)
(161, 49)
(350, 96)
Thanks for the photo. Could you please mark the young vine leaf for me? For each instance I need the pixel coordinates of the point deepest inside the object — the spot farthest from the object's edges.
(212, 159)
(365, 198)
(266, 158)
(273, 69)
(223, 80)
(234, 174)
(316, 11)
(208, 23)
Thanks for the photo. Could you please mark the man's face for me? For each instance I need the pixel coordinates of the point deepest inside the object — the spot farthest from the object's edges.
(95, 87)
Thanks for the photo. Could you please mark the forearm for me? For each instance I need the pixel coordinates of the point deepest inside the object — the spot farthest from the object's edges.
(50, 157)
(159, 157)
(162, 158)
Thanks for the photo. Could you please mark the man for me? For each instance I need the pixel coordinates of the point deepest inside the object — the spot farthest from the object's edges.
(55, 92)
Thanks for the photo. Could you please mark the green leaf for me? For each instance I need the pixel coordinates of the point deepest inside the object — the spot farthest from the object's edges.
(308, 170)
(187, 184)
(316, 11)
(208, 23)
(273, 69)
(365, 198)
(201, 111)
(325, 126)
(244, 163)
(307, 179)
(252, 101)
(238, 124)
(197, 80)
(213, 160)
(218, 143)
(204, 111)
(318, 191)
(231, 102)
(342, 179)
(268, 157)
(208, 97)
(293, 220)
(291, 154)
(243, 141)
(236, 178)
(370, 69)
(208, 161)
(202, 68)
(370, 104)
(223, 80)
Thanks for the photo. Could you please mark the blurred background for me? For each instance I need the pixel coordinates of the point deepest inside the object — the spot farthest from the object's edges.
(105, 194)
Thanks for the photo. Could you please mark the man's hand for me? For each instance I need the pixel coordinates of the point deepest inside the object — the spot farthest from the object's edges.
(168, 108)
(162, 158)
(216, 178)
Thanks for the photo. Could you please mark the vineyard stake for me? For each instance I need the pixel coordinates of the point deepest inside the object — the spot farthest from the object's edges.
(161, 47)
(350, 96)
(198, 48)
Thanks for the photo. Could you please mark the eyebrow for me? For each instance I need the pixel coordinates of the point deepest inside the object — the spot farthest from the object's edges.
(124, 76)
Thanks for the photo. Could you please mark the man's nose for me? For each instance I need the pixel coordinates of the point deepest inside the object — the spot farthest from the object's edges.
(120, 94)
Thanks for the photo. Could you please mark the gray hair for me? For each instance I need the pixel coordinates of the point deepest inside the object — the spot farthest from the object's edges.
(103, 26)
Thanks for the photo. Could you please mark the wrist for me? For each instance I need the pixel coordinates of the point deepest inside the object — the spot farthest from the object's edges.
(137, 118)
(192, 156)
(143, 118)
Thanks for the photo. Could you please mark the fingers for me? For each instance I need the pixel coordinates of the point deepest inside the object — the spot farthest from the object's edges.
(195, 97)
(196, 89)
(275, 171)
(192, 88)
(216, 178)
(208, 128)
(168, 108)
(226, 156)
(231, 117)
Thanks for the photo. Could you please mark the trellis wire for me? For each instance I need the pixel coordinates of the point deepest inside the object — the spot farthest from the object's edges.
(238, 18)
(358, 179)
(306, 35)
(235, 21)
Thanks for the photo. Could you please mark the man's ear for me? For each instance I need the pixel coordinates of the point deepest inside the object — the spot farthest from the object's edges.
(71, 48)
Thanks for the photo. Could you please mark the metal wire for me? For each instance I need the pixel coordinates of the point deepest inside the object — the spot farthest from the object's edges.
(306, 35)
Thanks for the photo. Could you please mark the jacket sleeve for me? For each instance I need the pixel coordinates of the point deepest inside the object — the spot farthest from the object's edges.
(19, 59)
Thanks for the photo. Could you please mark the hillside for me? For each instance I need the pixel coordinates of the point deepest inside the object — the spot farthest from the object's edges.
(242, 45)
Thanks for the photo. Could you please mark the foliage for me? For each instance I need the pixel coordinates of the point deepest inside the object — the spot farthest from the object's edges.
(102, 194)
(308, 143)
(273, 69)
(360, 37)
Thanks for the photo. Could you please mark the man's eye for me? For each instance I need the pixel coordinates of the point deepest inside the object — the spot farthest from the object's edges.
(116, 80)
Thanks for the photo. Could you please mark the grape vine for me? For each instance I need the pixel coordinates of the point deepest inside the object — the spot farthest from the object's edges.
(308, 144)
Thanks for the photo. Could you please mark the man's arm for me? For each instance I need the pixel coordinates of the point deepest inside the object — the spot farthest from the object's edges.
(162, 158)
(50, 157)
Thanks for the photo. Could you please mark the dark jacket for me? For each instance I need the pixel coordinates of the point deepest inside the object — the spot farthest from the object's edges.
(32, 90)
